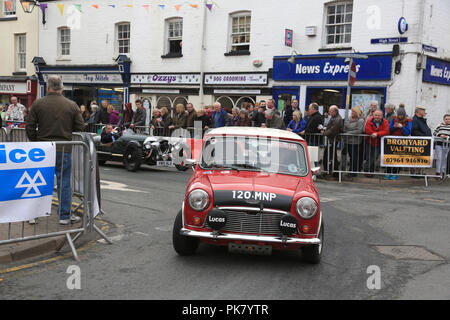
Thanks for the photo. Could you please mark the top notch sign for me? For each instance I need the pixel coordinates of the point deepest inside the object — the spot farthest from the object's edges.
(329, 68)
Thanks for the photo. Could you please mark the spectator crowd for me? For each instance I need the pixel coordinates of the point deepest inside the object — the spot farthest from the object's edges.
(359, 137)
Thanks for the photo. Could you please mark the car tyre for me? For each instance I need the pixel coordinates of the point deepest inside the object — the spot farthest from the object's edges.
(313, 253)
(183, 245)
(180, 167)
(132, 158)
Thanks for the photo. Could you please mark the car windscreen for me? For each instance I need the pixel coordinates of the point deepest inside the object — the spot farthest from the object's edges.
(254, 154)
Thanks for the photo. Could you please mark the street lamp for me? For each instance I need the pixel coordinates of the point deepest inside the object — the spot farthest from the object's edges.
(292, 58)
(28, 5)
(349, 59)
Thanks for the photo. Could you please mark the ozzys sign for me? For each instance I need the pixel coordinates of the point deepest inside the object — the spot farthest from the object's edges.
(27, 173)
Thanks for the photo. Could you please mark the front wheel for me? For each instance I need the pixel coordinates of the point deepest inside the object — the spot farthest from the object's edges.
(180, 167)
(132, 158)
(313, 253)
(184, 246)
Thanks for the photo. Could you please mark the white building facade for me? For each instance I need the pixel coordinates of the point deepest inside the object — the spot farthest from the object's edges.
(234, 51)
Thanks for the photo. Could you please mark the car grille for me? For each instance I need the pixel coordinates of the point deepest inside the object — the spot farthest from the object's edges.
(252, 222)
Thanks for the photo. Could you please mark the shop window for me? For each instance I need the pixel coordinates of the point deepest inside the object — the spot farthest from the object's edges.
(363, 98)
(123, 38)
(174, 31)
(64, 41)
(325, 97)
(240, 26)
(21, 53)
(338, 22)
(9, 8)
(164, 102)
(180, 100)
(241, 102)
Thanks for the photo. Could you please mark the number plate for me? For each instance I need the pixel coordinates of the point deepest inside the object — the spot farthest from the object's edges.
(164, 163)
(252, 249)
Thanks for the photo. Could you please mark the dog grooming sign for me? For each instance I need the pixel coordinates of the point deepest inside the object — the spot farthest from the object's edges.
(27, 173)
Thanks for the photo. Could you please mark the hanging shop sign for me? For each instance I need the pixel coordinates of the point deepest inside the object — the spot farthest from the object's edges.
(156, 78)
(236, 78)
(332, 68)
(437, 71)
(88, 78)
(13, 87)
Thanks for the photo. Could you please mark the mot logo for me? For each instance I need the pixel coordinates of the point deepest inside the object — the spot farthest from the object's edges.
(31, 184)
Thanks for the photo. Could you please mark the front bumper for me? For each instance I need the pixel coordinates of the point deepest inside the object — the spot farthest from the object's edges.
(245, 237)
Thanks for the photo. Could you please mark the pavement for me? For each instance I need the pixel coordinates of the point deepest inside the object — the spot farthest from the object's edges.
(10, 253)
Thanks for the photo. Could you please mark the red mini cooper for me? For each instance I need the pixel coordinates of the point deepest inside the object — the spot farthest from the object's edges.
(253, 191)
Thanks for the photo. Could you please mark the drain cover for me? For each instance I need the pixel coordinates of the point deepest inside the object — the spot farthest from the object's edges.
(409, 253)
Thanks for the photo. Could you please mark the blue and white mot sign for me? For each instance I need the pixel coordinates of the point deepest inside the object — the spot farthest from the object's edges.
(27, 173)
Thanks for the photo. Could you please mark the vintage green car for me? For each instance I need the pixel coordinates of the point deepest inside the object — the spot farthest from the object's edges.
(135, 150)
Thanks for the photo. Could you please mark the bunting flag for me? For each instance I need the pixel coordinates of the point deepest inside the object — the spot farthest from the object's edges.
(8, 5)
(43, 7)
(61, 8)
(26, 5)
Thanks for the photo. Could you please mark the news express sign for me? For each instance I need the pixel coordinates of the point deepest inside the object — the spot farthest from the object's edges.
(27, 173)
(416, 152)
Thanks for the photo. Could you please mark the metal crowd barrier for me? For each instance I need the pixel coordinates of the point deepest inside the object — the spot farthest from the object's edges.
(319, 144)
(3, 135)
(443, 157)
(82, 179)
(358, 154)
(17, 135)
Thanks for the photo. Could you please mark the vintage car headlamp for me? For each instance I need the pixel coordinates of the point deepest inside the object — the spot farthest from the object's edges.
(306, 207)
(149, 142)
(198, 200)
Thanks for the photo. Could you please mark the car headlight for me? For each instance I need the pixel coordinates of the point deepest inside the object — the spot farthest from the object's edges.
(306, 207)
(198, 200)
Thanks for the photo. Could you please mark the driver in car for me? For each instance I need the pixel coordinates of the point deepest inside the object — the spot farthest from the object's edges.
(109, 135)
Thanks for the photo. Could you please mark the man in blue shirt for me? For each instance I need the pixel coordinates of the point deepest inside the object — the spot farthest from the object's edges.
(219, 117)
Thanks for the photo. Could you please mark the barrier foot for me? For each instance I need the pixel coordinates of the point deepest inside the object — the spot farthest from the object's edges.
(100, 232)
(72, 247)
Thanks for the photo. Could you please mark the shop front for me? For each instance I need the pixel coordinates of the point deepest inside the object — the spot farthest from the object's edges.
(234, 89)
(165, 90)
(323, 79)
(25, 89)
(84, 84)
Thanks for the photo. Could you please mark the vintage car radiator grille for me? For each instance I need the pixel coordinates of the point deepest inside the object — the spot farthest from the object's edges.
(253, 222)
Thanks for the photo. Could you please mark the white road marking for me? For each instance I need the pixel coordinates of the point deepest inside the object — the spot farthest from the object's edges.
(164, 228)
(323, 199)
(142, 234)
(117, 186)
(113, 239)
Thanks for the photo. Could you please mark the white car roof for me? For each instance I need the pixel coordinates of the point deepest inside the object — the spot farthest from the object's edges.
(252, 131)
